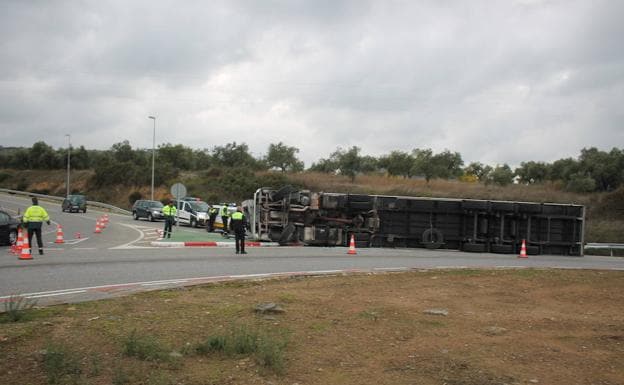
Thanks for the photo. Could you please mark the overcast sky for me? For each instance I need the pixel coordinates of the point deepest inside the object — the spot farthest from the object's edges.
(497, 81)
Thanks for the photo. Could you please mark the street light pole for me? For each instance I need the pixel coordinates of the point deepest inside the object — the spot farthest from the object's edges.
(153, 152)
(68, 159)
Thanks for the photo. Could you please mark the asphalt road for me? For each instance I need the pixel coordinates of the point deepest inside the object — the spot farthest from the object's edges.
(122, 259)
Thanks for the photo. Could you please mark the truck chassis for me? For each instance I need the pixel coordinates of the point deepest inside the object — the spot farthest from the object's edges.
(291, 216)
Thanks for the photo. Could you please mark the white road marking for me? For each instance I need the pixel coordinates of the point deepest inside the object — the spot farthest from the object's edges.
(55, 294)
(141, 236)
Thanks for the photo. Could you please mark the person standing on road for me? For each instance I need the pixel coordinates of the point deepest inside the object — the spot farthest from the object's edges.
(225, 216)
(33, 218)
(212, 216)
(169, 212)
(239, 226)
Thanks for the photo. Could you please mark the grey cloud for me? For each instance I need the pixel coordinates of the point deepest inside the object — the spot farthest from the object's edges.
(499, 82)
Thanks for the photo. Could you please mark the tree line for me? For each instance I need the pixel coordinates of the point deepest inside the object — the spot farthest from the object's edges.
(592, 170)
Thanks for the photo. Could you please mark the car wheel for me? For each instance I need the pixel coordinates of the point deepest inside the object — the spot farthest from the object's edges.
(193, 222)
(12, 237)
(150, 217)
(135, 216)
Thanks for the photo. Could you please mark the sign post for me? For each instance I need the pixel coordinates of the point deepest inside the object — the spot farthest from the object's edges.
(178, 191)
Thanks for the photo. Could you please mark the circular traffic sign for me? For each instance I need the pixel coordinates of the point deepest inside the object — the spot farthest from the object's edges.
(178, 190)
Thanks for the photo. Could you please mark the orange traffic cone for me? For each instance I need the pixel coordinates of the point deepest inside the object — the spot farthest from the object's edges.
(352, 245)
(25, 254)
(59, 234)
(98, 229)
(103, 222)
(523, 253)
(20, 241)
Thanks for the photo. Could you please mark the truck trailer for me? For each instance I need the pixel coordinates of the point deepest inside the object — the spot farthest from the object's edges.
(293, 216)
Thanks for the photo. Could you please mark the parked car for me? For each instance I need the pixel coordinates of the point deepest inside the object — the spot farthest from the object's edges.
(8, 228)
(151, 210)
(192, 212)
(75, 203)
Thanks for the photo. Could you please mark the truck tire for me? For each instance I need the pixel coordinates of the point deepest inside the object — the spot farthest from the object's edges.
(287, 234)
(432, 238)
(474, 247)
(501, 249)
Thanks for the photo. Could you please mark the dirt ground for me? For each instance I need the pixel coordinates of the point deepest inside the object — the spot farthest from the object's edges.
(454, 327)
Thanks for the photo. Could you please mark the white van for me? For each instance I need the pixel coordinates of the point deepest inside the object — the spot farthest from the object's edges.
(192, 212)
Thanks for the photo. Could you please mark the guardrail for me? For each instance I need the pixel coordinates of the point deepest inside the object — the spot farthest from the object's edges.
(60, 199)
(609, 246)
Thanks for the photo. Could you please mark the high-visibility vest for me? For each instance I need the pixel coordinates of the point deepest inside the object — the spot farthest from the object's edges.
(169, 211)
(237, 216)
(224, 211)
(35, 214)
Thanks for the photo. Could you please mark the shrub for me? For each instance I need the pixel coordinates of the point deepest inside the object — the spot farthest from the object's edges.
(16, 308)
(146, 348)
(60, 363)
(134, 196)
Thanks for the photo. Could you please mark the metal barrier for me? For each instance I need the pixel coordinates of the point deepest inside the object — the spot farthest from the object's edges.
(60, 199)
(609, 246)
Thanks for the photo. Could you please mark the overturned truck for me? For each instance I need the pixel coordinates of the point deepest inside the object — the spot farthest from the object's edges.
(288, 216)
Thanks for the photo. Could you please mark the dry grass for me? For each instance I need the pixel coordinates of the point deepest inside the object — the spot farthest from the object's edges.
(514, 326)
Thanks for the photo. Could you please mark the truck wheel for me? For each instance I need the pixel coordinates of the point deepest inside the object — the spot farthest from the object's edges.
(432, 238)
(474, 247)
(287, 234)
(501, 249)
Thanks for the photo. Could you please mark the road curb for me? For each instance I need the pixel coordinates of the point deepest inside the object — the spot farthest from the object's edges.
(212, 244)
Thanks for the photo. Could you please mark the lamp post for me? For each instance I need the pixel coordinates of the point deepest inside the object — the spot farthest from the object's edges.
(153, 152)
(68, 159)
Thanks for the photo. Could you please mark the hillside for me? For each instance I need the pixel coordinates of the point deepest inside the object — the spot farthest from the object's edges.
(605, 211)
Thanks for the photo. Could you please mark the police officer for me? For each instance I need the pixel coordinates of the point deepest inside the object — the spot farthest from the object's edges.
(225, 216)
(239, 226)
(33, 218)
(212, 216)
(169, 212)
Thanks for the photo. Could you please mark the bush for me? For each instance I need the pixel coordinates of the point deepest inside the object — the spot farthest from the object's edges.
(16, 308)
(134, 196)
(581, 184)
(146, 348)
(60, 363)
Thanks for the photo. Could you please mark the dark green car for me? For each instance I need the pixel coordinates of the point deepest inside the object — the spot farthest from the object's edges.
(74, 203)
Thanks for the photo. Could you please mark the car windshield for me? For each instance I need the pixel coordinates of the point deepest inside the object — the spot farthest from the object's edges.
(76, 199)
(155, 205)
(199, 206)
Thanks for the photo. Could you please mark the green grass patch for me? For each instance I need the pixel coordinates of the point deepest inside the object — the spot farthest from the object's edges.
(61, 365)
(145, 347)
(242, 340)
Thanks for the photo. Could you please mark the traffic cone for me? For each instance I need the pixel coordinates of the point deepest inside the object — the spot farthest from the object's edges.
(352, 246)
(25, 254)
(523, 253)
(59, 234)
(98, 229)
(20, 241)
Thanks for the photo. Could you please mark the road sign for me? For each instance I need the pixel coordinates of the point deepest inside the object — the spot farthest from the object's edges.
(178, 191)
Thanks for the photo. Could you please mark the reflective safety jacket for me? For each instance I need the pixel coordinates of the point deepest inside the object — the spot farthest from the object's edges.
(213, 211)
(224, 211)
(238, 222)
(169, 211)
(35, 213)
